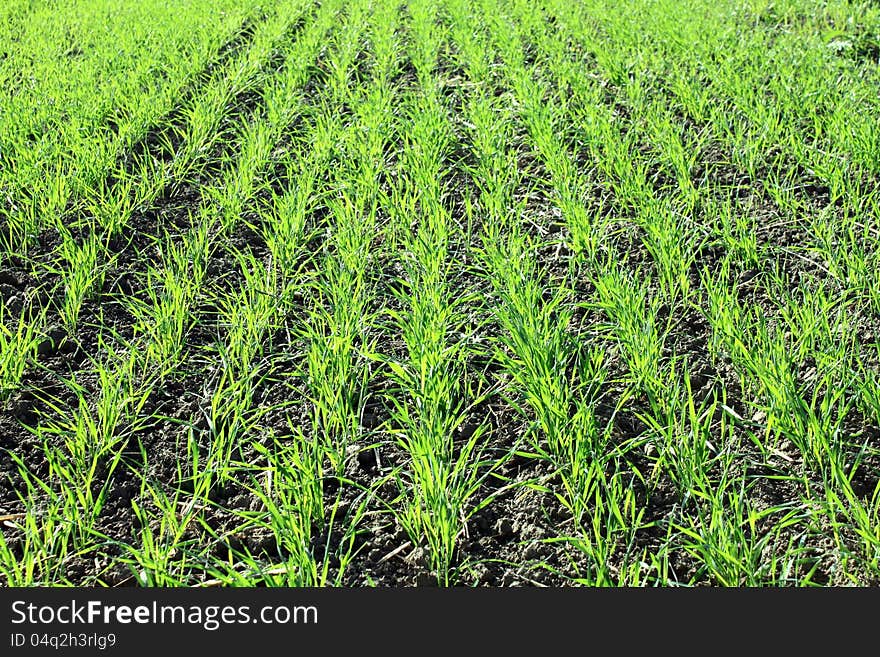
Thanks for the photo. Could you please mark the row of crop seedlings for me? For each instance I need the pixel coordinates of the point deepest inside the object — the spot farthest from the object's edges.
(814, 368)
(768, 76)
(88, 451)
(430, 393)
(748, 127)
(557, 374)
(843, 233)
(530, 348)
(14, 19)
(677, 426)
(92, 434)
(336, 170)
(338, 313)
(83, 258)
(810, 422)
(817, 315)
(680, 423)
(634, 308)
(57, 172)
(247, 316)
(669, 241)
(80, 265)
(751, 129)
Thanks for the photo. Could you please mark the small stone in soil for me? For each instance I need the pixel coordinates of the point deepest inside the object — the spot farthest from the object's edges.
(504, 527)
(531, 551)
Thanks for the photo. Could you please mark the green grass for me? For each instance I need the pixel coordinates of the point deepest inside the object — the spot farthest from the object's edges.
(466, 293)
